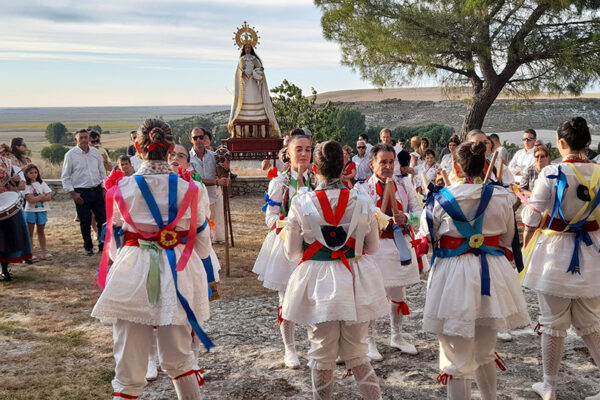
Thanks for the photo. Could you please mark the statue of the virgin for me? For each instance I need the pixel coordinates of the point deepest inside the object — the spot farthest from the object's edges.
(251, 111)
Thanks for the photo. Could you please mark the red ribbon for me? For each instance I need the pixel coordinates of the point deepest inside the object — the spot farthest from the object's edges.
(443, 378)
(279, 316)
(113, 179)
(185, 175)
(500, 362)
(537, 329)
(123, 395)
(272, 173)
(402, 307)
(199, 375)
(152, 146)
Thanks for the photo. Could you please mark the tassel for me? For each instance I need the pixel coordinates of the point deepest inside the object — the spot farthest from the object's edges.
(279, 317)
(537, 329)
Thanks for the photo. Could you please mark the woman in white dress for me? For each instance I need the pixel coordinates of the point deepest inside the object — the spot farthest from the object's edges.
(446, 162)
(473, 290)
(157, 277)
(252, 100)
(272, 266)
(334, 290)
(430, 168)
(562, 254)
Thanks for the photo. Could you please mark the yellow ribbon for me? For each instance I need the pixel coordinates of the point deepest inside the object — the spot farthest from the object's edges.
(153, 281)
(549, 232)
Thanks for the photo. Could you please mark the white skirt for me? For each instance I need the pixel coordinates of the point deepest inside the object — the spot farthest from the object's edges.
(454, 304)
(547, 272)
(272, 266)
(395, 274)
(320, 291)
(125, 295)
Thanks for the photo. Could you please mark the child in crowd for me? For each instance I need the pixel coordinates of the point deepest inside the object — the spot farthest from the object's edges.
(124, 164)
(37, 193)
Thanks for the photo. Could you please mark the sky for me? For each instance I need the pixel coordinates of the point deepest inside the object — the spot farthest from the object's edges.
(56, 53)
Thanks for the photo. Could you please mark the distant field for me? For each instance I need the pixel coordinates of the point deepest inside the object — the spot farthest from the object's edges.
(72, 126)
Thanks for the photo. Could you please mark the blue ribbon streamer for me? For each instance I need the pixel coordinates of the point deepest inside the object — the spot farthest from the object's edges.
(154, 210)
(464, 227)
(269, 202)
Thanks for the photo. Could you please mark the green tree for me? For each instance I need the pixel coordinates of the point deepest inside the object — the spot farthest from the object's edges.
(293, 110)
(489, 45)
(55, 153)
(351, 121)
(56, 132)
(96, 128)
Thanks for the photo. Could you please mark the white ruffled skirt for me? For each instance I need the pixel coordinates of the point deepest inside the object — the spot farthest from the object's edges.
(547, 272)
(320, 291)
(395, 274)
(454, 304)
(272, 266)
(125, 295)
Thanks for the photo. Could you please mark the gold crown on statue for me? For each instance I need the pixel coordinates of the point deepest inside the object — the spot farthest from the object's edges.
(246, 35)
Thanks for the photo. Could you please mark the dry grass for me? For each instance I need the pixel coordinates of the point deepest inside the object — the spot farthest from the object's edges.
(51, 348)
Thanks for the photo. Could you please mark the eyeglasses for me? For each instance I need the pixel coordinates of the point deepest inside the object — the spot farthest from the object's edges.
(194, 138)
(528, 139)
(541, 156)
(94, 141)
(361, 147)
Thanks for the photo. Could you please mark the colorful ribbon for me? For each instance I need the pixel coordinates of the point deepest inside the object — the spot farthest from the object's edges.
(153, 280)
(269, 202)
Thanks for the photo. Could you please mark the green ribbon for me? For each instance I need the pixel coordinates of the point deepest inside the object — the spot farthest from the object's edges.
(153, 281)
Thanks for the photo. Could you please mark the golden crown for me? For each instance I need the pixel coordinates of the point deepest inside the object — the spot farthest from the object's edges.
(246, 35)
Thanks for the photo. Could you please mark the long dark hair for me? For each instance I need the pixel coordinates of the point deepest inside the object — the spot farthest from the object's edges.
(29, 168)
(242, 52)
(14, 149)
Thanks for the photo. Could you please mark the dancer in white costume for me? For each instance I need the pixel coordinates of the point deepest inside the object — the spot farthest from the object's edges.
(396, 276)
(157, 278)
(473, 290)
(272, 266)
(562, 254)
(333, 290)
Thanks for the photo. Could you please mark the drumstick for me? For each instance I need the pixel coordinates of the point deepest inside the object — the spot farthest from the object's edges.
(490, 168)
(445, 178)
(499, 177)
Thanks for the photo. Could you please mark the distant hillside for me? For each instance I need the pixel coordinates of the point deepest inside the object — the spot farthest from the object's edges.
(416, 94)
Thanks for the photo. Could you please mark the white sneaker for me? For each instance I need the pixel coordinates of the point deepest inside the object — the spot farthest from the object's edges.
(505, 337)
(152, 370)
(595, 397)
(372, 352)
(545, 392)
(290, 359)
(399, 342)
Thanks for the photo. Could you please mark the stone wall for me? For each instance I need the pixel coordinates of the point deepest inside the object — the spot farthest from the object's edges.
(241, 186)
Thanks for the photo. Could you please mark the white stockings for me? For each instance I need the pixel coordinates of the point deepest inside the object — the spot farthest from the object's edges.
(372, 351)
(459, 389)
(322, 384)
(552, 351)
(368, 384)
(485, 377)
(592, 341)
(287, 330)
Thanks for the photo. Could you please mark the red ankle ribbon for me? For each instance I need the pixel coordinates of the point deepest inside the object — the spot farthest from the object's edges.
(402, 307)
(123, 395)
(199, 376)
(443, 378)
(500, 362)
(279, 317)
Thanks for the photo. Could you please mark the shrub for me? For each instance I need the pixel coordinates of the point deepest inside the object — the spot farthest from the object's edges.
(56, 132)
(55, 153)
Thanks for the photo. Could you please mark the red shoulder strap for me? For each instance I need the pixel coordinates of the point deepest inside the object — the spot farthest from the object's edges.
(340, 209)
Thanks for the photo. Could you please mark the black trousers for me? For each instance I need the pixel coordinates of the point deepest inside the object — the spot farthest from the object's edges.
(93, 201)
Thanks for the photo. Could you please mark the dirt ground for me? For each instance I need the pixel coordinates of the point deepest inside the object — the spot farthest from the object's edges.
(50, 348)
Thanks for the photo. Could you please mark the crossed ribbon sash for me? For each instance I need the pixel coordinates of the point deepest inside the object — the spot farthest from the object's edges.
(165, 238)
(474, 239)
(576, 224)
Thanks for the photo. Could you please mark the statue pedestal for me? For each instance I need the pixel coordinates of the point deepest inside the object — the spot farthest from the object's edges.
(253, 148)
(251, 129)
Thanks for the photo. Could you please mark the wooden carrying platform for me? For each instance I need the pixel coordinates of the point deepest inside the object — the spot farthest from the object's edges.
(253, 148)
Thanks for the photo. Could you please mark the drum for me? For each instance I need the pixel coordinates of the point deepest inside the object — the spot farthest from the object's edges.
(10, 204)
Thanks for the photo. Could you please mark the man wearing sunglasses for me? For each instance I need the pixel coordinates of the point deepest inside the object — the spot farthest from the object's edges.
(361, 159)
(524, 157)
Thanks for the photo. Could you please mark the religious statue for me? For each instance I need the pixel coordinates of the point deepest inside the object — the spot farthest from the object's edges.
(251, 111)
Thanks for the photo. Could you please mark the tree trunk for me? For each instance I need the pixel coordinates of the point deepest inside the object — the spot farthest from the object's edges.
(480, 104)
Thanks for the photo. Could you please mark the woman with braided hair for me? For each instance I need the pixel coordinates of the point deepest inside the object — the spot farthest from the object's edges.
(563, 237)
(473, 291)
(272, 266)
(334, 290)
(157, 278)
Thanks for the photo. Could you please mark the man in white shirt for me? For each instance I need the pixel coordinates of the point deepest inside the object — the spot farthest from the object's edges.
(524, 157)
(365, 139)
(502, 152)
(361, 159)
(203, 162)
(385, 136)
(82, 176)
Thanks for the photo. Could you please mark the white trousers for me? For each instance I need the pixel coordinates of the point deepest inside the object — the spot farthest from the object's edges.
(333, 338)
(460, 356)
(559, 313)
(132, 344)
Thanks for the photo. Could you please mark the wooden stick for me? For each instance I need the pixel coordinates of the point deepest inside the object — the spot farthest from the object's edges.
(386, 196)
(227, 271)
(424, 183)
(445, 178)
(490, 168)
(392, 193)
(500, 168)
